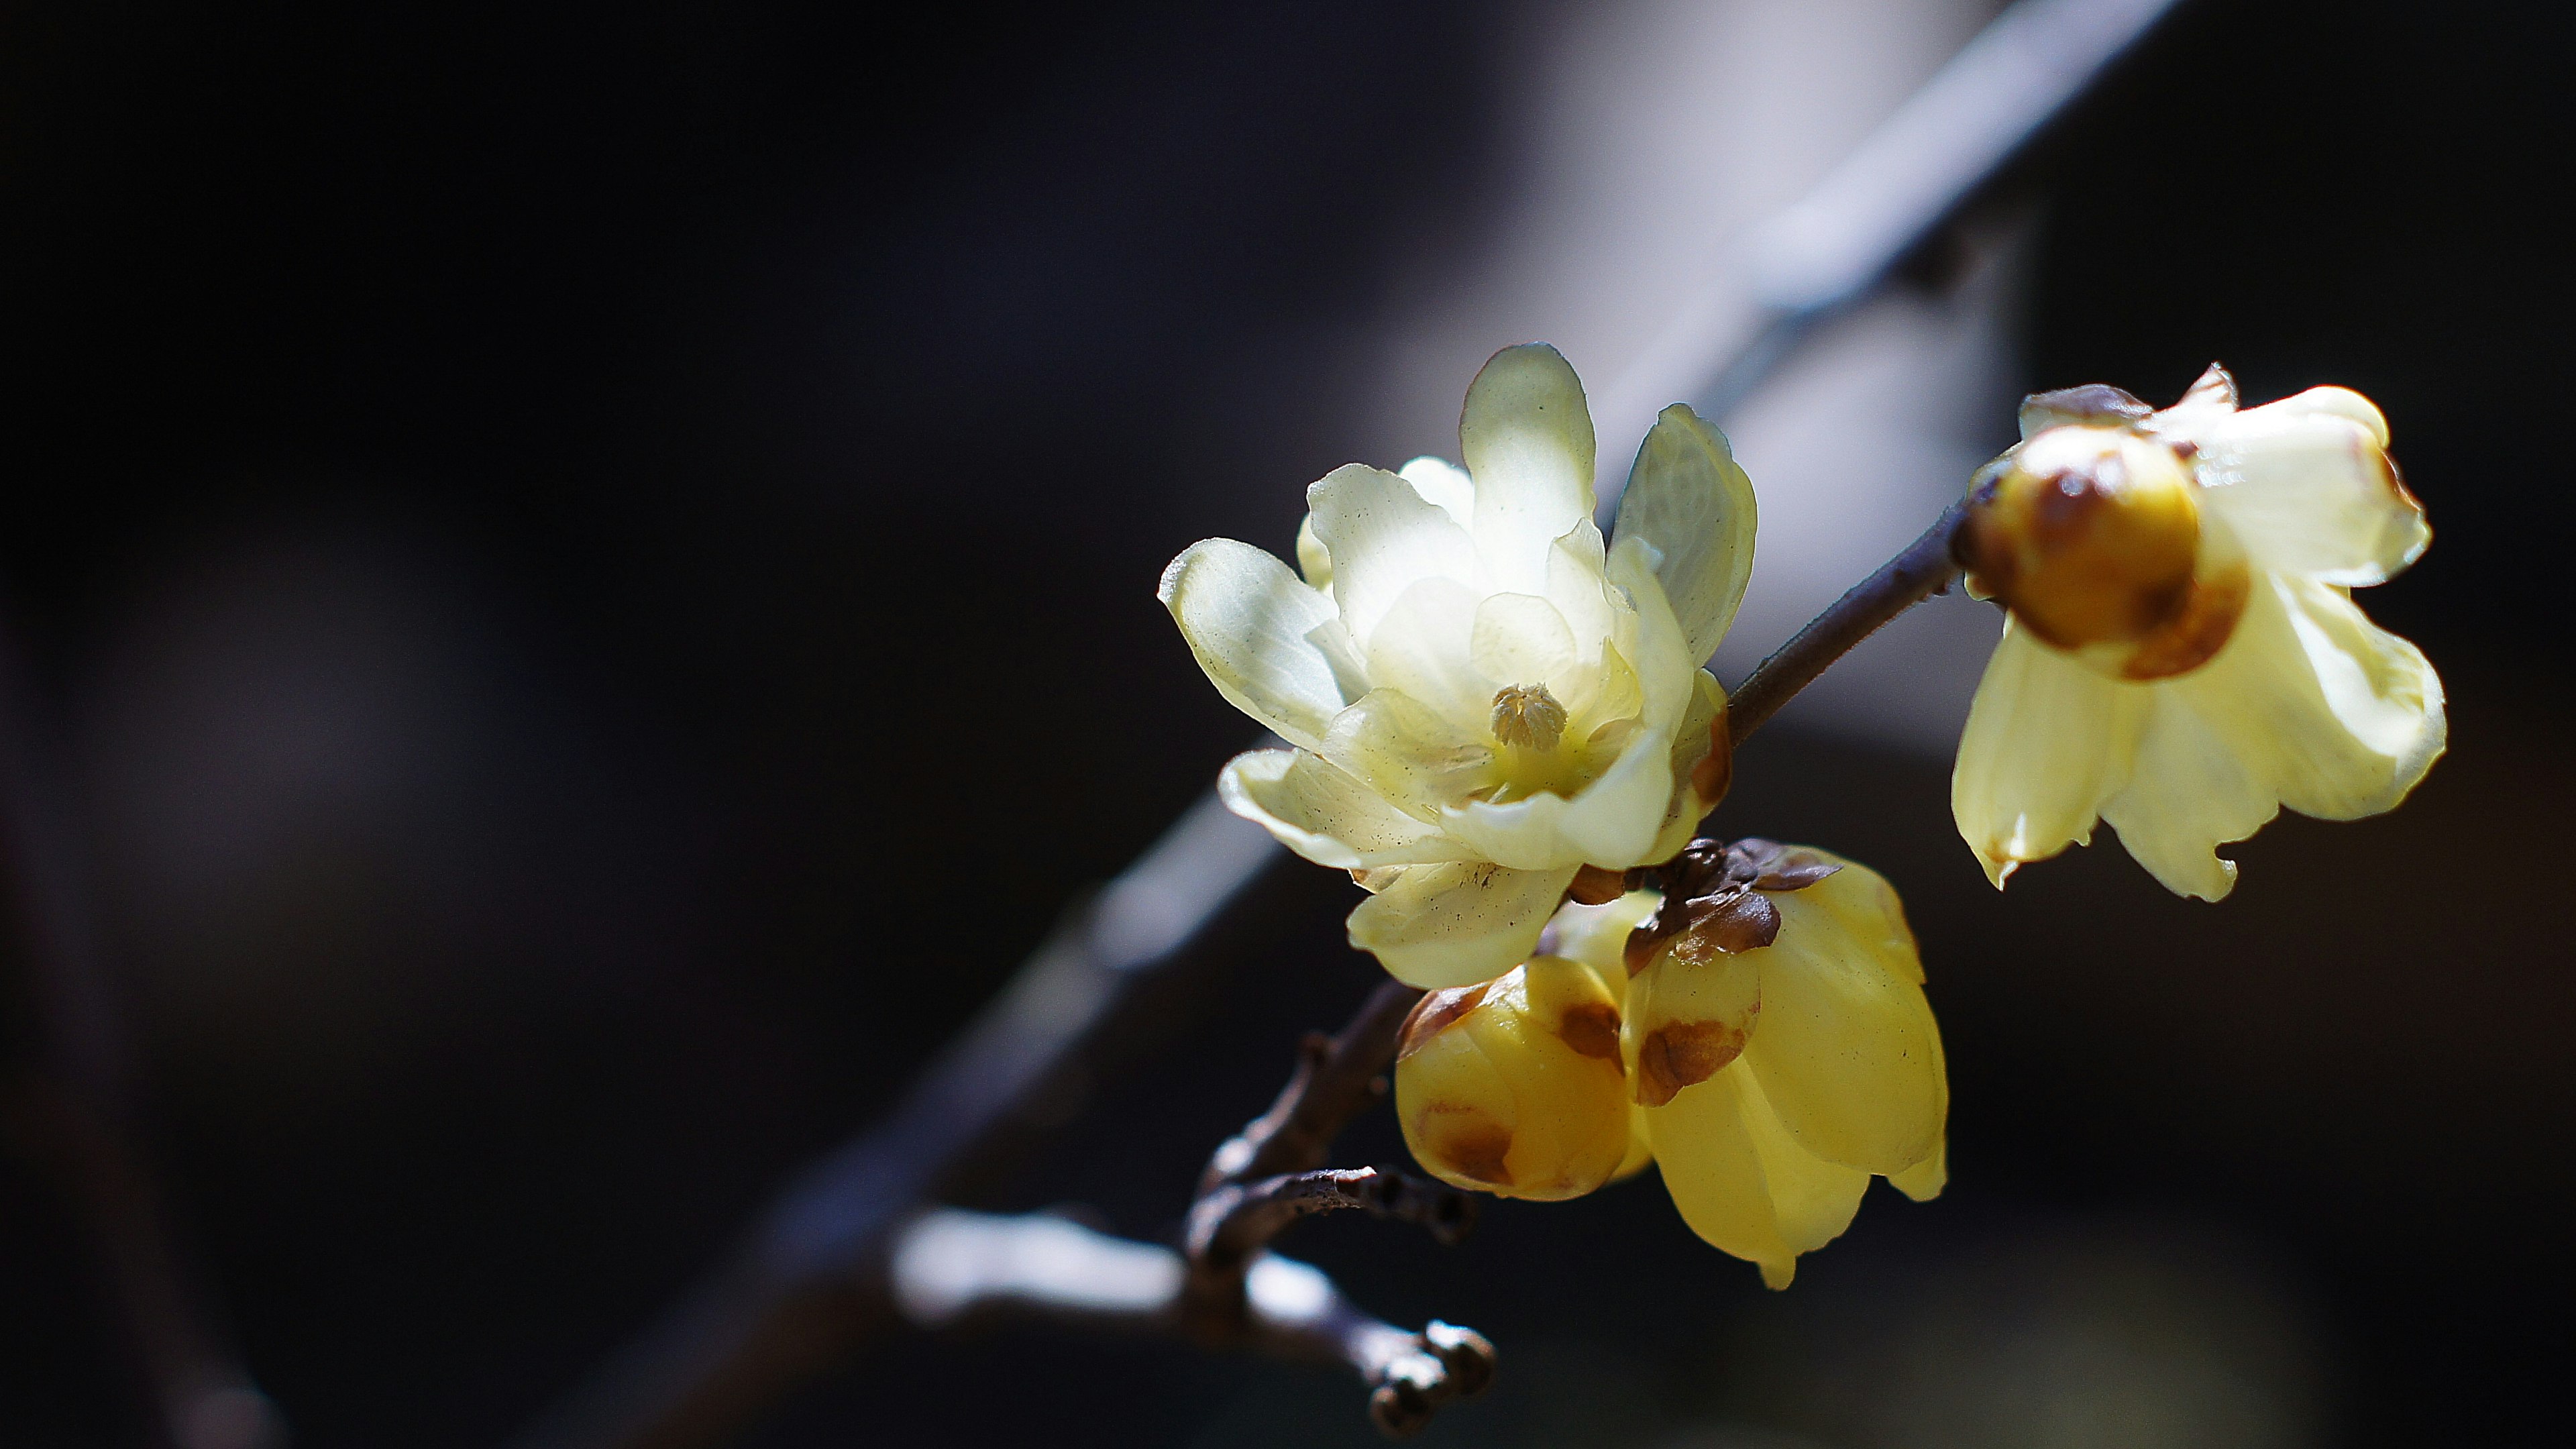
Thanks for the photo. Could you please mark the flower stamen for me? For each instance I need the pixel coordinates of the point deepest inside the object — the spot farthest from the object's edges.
(1527, 717)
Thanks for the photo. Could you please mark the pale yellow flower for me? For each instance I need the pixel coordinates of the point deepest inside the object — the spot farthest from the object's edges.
(2182, 656)
(1481, 696)
(1773, 1052)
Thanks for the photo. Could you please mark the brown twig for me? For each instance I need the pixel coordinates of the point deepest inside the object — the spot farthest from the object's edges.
(953, 1268)
(1337, 1078)
(1922, 570)
(1227, 1226)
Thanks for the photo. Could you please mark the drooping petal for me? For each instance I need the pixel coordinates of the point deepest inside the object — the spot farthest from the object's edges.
(1383, 538)
(1526, 436)
(1688, 499)
(1924, 1180)
(1247, 618)
(1436, 926)
(1742, 1182)
(2190, 791)
(2310, 705)
(1320, 812)
(1846, 1048)
(2307, 484)
(2048, 740)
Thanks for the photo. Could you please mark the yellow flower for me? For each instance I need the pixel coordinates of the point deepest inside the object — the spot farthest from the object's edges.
(1774, 1051)
(1515, 1087)
(2182, 655)
(1781, 1048)
(1482, 697)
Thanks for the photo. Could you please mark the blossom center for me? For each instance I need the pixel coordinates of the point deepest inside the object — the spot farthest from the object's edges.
(1527, 717)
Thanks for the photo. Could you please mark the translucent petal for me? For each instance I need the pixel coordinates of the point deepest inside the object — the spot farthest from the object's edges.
(1444, 484)
(1246, 618)
(1320, 812)
(1578, 584)
(1742, 1182)
(1666, 672)
(1526, 436)
(2307, 483)
(1314, 561)
(1424, 646)
(1414, 756)
(2047, 741)
(1846, 1048)
(2310, 705)
(1522, 639)
(1597, 936)
(1434, 926)
(1383, 538)
(1687, 497)
(1610, 822)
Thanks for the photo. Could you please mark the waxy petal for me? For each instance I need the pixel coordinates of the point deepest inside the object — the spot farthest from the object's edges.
(1688, 499)
(2310, 705)
(1383, 538)
(1526, 437)
(1436, 926)
(1247, 620)
(1320, 812)
(1742, 1181)
(2047, 741)
(2307, 484)
(1846, 1049)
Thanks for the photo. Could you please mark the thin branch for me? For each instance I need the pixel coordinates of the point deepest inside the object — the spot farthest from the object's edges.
(1336, 1080)
(1925, 568)
(1228, 1225)
(952, 1268)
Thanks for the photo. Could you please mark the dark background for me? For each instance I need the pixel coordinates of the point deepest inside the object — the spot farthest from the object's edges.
(570, 556)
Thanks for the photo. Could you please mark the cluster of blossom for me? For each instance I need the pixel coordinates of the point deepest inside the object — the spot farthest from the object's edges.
(1498, 717)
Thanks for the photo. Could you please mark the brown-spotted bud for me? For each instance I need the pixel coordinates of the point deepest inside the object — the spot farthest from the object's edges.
(1515, 1087)
(2092, 533)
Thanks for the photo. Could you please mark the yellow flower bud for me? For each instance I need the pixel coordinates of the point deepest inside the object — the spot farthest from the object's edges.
(1780, 1048)
(2092, 533)
(1515, 1087)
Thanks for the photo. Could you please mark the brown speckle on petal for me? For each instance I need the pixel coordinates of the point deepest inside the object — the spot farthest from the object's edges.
(1592, 1030)
(1469, 1143)
(1433, 1014)
(2196, 631)
(1678, 1054)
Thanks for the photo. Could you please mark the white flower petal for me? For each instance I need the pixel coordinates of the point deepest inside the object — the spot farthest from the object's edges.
(1578, 585)
(1742, 1181)
(1246, 618)
(2307, 484)
(2189, 791)
(1408, 752)
(2047, 741)
(1423, 647)
(1846, 1048)
(1320, 812)
(1526, 436)
(1436, 926)
(1665, 668)
(1687, 497)
(1610, 822)
(1445, 484)
(1314, 561)
(1522, 639)
(1383, 538)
